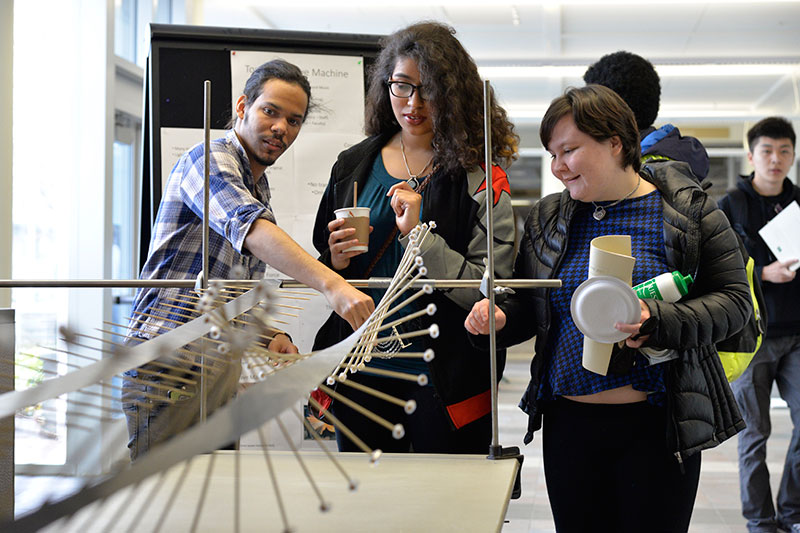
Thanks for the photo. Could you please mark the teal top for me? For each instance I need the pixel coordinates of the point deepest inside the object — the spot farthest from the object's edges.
(382, 220)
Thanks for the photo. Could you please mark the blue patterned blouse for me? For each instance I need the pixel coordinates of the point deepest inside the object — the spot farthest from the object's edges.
(641, 218)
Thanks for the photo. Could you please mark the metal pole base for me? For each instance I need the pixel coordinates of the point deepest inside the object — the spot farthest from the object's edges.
(498, 452)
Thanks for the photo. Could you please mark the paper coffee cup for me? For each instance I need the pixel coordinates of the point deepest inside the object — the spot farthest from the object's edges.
(358, 218)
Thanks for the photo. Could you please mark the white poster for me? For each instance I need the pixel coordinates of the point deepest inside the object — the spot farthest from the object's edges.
(336, 122)
(174, 143)
(299, 177)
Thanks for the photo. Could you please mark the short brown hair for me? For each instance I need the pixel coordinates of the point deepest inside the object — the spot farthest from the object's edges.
(601, 114)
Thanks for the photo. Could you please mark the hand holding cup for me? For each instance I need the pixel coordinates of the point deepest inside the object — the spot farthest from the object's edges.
(349, 235)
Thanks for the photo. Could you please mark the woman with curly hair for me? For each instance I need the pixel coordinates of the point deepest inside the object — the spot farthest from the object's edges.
(421, 162)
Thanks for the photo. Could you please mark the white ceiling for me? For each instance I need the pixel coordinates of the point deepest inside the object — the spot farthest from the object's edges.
(576, 33)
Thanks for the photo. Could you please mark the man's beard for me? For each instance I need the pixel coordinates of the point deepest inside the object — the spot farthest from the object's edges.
(264, 161)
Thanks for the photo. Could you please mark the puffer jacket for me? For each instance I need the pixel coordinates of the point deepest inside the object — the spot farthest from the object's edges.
(700, 405)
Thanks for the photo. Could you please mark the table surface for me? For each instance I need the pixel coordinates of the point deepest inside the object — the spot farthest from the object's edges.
(403, 492)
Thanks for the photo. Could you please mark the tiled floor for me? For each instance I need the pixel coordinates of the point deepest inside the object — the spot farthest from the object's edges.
(717, 505)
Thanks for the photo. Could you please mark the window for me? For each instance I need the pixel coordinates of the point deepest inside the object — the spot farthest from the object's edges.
(65, 225)
(40, 208)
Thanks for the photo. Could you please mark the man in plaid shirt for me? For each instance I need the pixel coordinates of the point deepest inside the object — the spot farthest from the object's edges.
(244, 237)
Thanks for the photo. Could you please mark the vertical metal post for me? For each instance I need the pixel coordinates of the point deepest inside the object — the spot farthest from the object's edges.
(7, 350)
(487, 134)
(206, 194)
(495, 450)
(206, 172)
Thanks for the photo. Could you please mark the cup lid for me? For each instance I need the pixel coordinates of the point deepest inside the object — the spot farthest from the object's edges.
(600, 302)
(344, 212)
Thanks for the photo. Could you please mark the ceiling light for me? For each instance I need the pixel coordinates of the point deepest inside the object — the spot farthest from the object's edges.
(517, 3)
(771, 69)
(665, 71)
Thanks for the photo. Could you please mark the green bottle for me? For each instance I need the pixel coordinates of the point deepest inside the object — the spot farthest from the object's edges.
(669, 287)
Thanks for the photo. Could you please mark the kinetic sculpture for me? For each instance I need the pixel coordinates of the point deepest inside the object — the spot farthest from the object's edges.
(231, 330)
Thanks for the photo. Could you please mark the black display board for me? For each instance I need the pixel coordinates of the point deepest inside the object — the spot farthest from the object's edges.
(182, 58)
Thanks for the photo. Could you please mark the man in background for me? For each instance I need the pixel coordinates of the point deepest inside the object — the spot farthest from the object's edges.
(755, 201)
(635, 79)
(243, 239)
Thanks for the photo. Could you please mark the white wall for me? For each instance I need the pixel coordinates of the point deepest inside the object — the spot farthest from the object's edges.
(6, 75)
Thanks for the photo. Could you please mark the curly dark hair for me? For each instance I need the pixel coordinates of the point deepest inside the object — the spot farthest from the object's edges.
(454, 89)
(601, 114)
(633, 78)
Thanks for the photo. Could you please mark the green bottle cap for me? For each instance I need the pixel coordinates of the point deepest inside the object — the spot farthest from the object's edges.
(682, 282)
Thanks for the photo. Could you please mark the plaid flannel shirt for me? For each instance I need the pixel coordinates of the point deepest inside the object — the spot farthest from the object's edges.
(236, 200)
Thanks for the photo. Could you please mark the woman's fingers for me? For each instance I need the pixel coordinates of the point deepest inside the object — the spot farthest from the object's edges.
(340, 240)
(638, 334)
(403, 185)
(477, 321)
(335, 224)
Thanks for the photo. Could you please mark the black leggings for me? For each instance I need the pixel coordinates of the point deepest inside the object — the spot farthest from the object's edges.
(607, 468)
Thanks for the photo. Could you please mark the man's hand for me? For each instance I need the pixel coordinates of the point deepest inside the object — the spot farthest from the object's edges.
(281, 343)
(350, 303)
(779, 272)
(477, 321)
(406, 204)
(275, 247)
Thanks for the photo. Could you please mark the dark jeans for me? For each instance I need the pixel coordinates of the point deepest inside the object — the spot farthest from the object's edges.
(152, 420)
(778, 361)
(607, 468)
(427, 430)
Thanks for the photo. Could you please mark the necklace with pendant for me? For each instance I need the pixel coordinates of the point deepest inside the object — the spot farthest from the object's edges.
(600, 210)
(413, 179)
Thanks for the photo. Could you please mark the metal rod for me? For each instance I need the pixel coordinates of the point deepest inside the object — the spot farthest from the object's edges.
(97, 283)
(487, 139)
(206, 172)
(372, 283)
(206, 188)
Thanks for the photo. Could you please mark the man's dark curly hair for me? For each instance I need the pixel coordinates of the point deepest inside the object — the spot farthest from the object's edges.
(633, 78)
(454, 90)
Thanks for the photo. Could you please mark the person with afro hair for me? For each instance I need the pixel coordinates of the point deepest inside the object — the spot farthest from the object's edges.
(635, 79)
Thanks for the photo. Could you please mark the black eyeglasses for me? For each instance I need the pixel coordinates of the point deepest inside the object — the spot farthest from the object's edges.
(403, 89)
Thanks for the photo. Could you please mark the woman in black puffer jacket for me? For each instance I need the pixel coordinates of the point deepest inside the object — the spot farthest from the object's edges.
(623, 448)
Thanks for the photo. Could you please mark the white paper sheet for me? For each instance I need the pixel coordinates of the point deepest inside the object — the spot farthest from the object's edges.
(780, 234)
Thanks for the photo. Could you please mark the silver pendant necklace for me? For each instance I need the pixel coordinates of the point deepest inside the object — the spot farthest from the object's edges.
(413, 179)
(600, 210)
